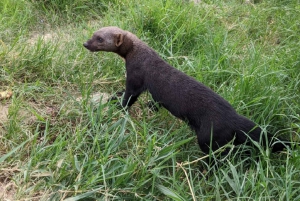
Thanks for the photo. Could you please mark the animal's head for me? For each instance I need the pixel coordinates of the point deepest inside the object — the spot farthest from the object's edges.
(107, 39)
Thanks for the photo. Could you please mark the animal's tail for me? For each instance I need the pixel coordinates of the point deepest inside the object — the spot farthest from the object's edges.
(250, 129)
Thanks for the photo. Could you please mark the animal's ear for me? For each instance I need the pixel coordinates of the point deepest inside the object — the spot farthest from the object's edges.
(119, 39)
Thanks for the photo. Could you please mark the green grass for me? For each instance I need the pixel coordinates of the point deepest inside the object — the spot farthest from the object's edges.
(56, 143)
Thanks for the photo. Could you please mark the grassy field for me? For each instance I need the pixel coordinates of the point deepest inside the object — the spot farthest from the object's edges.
(59, 142)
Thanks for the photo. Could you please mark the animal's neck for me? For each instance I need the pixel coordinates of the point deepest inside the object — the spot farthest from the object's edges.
(126, 47)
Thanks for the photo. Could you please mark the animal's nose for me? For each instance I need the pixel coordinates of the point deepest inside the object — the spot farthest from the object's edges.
(85, 44)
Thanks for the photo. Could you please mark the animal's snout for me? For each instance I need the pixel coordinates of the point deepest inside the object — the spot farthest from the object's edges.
(85, 44)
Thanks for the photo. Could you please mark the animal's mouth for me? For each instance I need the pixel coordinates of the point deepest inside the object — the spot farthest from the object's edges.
(87, 46)
(91, 50)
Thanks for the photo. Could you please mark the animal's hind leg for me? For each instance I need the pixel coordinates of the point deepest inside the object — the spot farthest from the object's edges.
(212, 140)
(208, 145)
(205, 140)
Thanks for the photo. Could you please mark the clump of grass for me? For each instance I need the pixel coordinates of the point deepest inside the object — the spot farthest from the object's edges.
(56, 143)
(15, 17)
(70, 11)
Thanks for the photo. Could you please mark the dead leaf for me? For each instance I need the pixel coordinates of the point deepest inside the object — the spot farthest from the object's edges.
(5, 94)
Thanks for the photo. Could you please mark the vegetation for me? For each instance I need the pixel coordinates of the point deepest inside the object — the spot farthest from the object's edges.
(58, 143)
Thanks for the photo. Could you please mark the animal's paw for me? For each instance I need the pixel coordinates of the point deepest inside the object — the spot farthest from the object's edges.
(116, 99)
(116, 96)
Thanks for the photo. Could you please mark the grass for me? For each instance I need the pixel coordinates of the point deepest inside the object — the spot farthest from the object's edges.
(57, 143)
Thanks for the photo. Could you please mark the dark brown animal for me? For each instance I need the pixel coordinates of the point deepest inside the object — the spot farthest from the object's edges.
(214, 120)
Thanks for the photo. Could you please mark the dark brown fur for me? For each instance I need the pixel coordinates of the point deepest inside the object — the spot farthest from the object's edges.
(205, 111)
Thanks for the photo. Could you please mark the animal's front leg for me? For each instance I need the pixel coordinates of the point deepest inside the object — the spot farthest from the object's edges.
(129, 98)
(134, 88)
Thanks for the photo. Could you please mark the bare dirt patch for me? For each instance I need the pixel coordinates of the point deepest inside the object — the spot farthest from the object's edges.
(99, 98)
(49, 36)
(7, 187)
(24, 114)
(7, 191)
(3, 113)
(45, 37)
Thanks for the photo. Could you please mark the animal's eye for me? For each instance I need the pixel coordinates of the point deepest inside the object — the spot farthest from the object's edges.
(100, 40)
